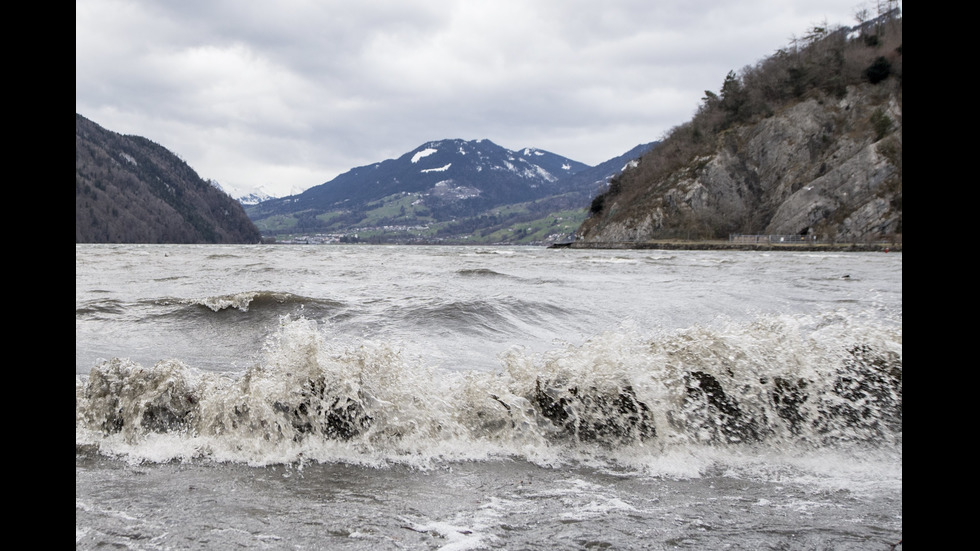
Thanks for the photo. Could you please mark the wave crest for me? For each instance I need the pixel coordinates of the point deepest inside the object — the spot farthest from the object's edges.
(780, 381)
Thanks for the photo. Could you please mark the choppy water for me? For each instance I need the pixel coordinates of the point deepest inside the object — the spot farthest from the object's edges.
(366, 397)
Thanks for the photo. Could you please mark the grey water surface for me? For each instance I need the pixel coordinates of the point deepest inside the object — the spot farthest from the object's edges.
(398, 397)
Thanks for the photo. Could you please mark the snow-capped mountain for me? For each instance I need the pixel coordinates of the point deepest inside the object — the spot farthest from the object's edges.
(245, 196)
(254, 198)
(467, 175)
(466, 183)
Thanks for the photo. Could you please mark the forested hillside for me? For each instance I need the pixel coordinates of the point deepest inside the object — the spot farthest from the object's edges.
(129, 189)
(808, 142)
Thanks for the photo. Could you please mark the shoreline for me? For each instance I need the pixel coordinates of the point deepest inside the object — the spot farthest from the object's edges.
(728, 246)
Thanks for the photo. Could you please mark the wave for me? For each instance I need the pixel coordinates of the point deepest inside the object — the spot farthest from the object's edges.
(266, 301)
(476, 273)
(247, 300)
(99, 308)
(495, 316)
(778, 383)
(468, 316)
(481, 272)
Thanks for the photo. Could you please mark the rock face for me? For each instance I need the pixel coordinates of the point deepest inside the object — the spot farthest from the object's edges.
(805, 145)
(825, 167)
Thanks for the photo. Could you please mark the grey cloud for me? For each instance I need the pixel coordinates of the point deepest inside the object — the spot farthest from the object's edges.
(287, 95)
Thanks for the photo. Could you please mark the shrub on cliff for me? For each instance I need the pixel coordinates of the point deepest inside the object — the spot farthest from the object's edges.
(878, 70)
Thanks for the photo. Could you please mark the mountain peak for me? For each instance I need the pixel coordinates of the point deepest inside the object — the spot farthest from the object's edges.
(439, 182)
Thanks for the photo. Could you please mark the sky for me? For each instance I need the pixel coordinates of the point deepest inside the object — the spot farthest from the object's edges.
(281, 96)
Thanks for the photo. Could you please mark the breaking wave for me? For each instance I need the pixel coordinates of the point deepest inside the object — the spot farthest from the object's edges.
(832, 381)
(245, 301)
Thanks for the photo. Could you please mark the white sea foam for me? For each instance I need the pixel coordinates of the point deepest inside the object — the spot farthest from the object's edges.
(389, 407)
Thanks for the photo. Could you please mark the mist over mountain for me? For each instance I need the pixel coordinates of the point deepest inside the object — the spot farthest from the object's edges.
(129, 189)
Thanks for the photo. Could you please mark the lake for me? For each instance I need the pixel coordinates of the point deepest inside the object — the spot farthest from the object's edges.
(451, 397)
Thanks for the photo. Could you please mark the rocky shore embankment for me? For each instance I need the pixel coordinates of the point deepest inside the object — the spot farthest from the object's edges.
(727, 246)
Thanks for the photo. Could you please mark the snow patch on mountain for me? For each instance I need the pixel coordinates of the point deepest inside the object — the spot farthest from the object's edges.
(440, 169)
(253, 198)
(545, 174)
(424, 153)
(244, 195)
(446, 189)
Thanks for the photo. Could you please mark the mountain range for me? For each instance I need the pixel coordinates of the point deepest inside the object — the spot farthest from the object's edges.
(129, 189)
(446, 191)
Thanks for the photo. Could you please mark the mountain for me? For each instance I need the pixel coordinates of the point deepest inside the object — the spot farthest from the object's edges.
(254, 198)
(129, 189)
(449, 190)
(806, 143)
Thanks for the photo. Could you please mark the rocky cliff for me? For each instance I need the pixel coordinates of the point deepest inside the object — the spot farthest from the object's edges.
(826, 162)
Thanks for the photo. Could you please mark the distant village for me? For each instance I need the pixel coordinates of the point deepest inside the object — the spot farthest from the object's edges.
(328, 238)
(317, 239)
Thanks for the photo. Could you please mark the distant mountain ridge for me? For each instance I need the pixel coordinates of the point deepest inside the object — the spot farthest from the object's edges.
(253, 198)
(444, 190)
(477, 172)
(129, 189)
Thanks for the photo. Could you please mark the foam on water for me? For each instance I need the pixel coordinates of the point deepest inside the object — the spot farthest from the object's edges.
(781, 391)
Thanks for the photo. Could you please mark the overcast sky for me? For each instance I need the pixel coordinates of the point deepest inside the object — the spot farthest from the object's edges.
(286, 95)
